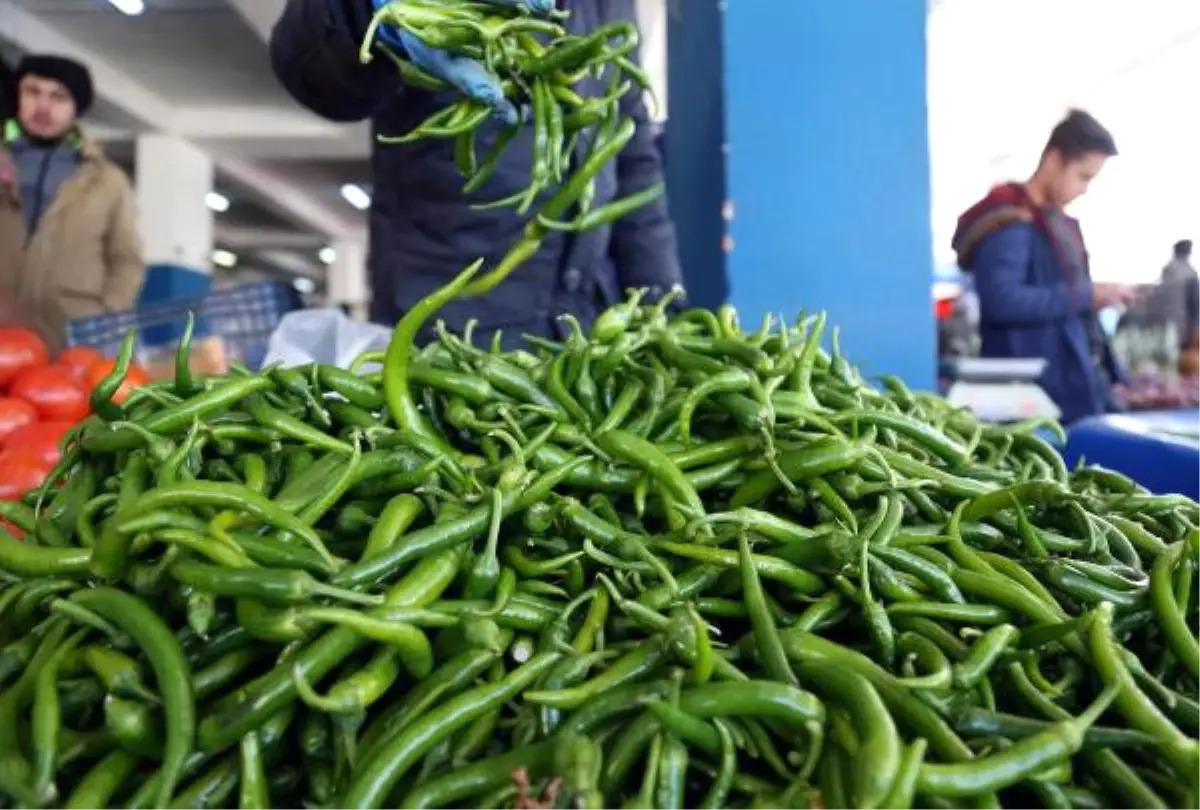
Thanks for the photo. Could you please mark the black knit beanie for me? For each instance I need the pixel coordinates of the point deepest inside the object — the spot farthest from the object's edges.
(74, 76)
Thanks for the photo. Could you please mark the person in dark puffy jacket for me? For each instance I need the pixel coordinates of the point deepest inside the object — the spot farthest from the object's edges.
(8, 90)
(423, 229)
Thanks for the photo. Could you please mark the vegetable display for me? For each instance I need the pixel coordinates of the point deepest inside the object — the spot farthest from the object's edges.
(1155, 391)
(539, 65)
(664, 563)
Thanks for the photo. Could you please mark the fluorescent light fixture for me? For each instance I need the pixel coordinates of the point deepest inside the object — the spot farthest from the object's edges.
(304, 285)
(355, 195)
(130, 7)
(223, 258)
(217, 202)
(327, 255)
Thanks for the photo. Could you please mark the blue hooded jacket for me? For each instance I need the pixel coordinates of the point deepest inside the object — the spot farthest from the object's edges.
(1028, 307)
(422, 228)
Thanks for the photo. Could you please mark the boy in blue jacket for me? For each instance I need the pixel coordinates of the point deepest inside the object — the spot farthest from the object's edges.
(423, 230)
(1036, 295)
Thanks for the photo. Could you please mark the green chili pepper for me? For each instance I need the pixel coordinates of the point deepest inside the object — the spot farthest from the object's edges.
(47, 721)
(134, 725)
(1131, 702)
(110, 555)
(672, 769)
(766, 636)
(170, 667)
(487, 774)
(118, 672)
(879, 757)
(102, 781)
(632, 667)
(608, 213)
(270, 586)
(102, 395)
(397, 516)
(292, 427)
(984, 654)
(903, 791)
(400, 402)
(226, 496)
(1016, 763)
(379, 774)
(450, 534)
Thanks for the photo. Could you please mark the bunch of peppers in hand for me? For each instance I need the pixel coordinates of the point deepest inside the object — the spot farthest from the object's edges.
(514, 60)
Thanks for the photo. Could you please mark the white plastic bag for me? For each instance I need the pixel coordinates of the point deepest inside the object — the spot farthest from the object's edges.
(322, 336)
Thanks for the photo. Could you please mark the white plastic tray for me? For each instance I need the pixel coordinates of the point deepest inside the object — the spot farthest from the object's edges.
(990, 369)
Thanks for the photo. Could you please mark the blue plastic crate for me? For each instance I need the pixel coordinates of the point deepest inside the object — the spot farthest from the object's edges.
(243, 317)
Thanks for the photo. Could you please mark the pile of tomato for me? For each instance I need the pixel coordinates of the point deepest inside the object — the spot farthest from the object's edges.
(41, 398)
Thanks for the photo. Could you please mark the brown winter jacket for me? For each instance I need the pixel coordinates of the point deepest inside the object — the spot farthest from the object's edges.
(85, 257)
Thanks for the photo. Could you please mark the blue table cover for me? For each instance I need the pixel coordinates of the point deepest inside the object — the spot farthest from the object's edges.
(1158, 449)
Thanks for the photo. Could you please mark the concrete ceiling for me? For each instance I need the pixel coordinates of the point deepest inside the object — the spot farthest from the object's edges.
(199, 69)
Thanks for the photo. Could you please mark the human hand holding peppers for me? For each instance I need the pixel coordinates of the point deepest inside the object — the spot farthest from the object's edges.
(511, 55)
(468, 75)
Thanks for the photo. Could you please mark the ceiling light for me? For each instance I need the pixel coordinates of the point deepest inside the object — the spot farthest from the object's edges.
(327, 255)
(130, 7)
(223, 258)
(217, 202)
(304, 285)
(356, 196)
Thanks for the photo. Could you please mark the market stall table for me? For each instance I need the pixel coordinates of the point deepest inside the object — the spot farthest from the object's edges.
(1158, 449)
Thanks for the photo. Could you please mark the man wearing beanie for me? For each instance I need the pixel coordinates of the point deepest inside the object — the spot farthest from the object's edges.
(69, 243)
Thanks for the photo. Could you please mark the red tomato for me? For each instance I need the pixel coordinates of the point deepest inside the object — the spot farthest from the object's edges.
(12, 529)
(52, 391)
(43, 439)
(20, 471)
(135, 379)
(19, 349)
(15, 414)
(77, 360)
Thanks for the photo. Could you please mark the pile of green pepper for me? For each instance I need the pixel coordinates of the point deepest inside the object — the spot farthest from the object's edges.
(664, 563)
(540, 65)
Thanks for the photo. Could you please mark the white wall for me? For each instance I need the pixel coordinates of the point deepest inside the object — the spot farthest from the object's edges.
(1149, 196)
(1002, 72)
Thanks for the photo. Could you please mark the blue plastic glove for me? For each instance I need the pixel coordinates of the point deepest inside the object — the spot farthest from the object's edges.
(468, 75)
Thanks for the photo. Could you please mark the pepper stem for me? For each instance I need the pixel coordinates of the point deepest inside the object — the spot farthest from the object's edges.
(308, 695)
(345, 594)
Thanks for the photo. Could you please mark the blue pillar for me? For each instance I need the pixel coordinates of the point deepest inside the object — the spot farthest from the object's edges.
(694, 146)
(828, 170)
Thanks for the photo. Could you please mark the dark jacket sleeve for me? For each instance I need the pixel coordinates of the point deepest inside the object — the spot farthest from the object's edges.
(314, 52)
(1006, 298)
(643, 244)
(8, 90)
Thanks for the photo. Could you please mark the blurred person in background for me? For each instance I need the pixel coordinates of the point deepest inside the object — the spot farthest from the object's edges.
(1030, 267)
(1179, 277)
(69, 242)
(1180, 267)
(423, 229)
(1166, 305)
